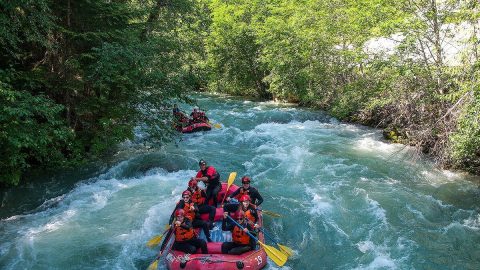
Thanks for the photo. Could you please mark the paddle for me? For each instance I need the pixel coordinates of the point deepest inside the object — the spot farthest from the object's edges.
(288, 251)
(154, 264)
(230, 180)
(274, 254)
(157, 238)
(216, 125)
(272, 214)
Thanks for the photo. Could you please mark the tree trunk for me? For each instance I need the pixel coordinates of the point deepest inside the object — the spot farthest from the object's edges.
(153, 17)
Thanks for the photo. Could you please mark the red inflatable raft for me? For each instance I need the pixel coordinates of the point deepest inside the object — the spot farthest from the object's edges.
(251, 260)
(196, 127)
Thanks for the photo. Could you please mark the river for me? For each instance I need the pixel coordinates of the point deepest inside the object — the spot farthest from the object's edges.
(348, 199)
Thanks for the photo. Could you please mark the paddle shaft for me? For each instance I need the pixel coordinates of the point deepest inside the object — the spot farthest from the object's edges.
(268, 235)
(225, 196)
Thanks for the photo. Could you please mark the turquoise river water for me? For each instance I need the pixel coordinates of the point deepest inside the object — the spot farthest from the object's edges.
(348, 199)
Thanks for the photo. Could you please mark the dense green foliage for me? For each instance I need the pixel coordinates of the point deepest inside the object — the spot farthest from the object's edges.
(76, 77)
(328, 54)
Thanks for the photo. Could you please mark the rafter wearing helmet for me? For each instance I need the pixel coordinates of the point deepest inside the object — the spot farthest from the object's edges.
(246, 189)
(185, 238)
(248, 208)
(210, 176)
(241, 241)
(192, 212)
(199, 197)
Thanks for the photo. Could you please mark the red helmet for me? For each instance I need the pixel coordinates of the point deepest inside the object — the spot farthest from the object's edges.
(192, 183)
(180, 213)
(245, 198)
(187, 192)
(246, 179)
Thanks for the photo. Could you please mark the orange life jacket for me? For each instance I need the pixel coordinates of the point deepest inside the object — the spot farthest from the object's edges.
(197, 197)
(182, 234)
(249, 215)
(190, 214)
(239, 236)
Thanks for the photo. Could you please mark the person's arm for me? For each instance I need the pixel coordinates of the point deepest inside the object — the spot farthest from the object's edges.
(259, 198)
(187, 224)
(226, 225)
(254, 225)
(235, 193)
(254, 214)
(200, 177)
(196, 211)
(211, 173)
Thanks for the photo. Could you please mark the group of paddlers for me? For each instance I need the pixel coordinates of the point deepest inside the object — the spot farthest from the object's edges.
(196, 201)
(196, 116)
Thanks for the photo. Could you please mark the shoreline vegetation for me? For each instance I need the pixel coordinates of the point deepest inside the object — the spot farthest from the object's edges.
(71, 87)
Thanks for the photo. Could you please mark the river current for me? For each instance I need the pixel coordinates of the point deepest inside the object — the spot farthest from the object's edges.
(348, 199)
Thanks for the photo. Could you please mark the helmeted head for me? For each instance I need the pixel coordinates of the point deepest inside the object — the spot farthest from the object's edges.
(245, 198)
(186, 195)
(202, 163)
(246, 180)
(195, 109)
(192, 184)
(180, 213)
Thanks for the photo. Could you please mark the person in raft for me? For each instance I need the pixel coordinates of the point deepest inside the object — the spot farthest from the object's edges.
(191, 212)
(255, 197)
(199, 197)
(185, 237)
(249, 210)
(179, 115)
(241, 241)
(198, 116)
(211, 178)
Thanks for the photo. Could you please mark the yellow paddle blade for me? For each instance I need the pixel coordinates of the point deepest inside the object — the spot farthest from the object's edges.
(288, 251)
(167, 227)
(274, 254)
(154, 241)
(271, 213)
(153, 265)
(231, 178)
(216, 125)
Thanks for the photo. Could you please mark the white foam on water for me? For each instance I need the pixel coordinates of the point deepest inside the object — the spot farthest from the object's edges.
(100, 199)
(377, 210)
(54, 224)
(365, 246)
(434, 178)
(368, 143)
(382, 258)
(319, 205)
(381, 262)
(472, 222)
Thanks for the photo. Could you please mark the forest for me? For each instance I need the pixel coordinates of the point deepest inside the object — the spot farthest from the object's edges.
(78, 77)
